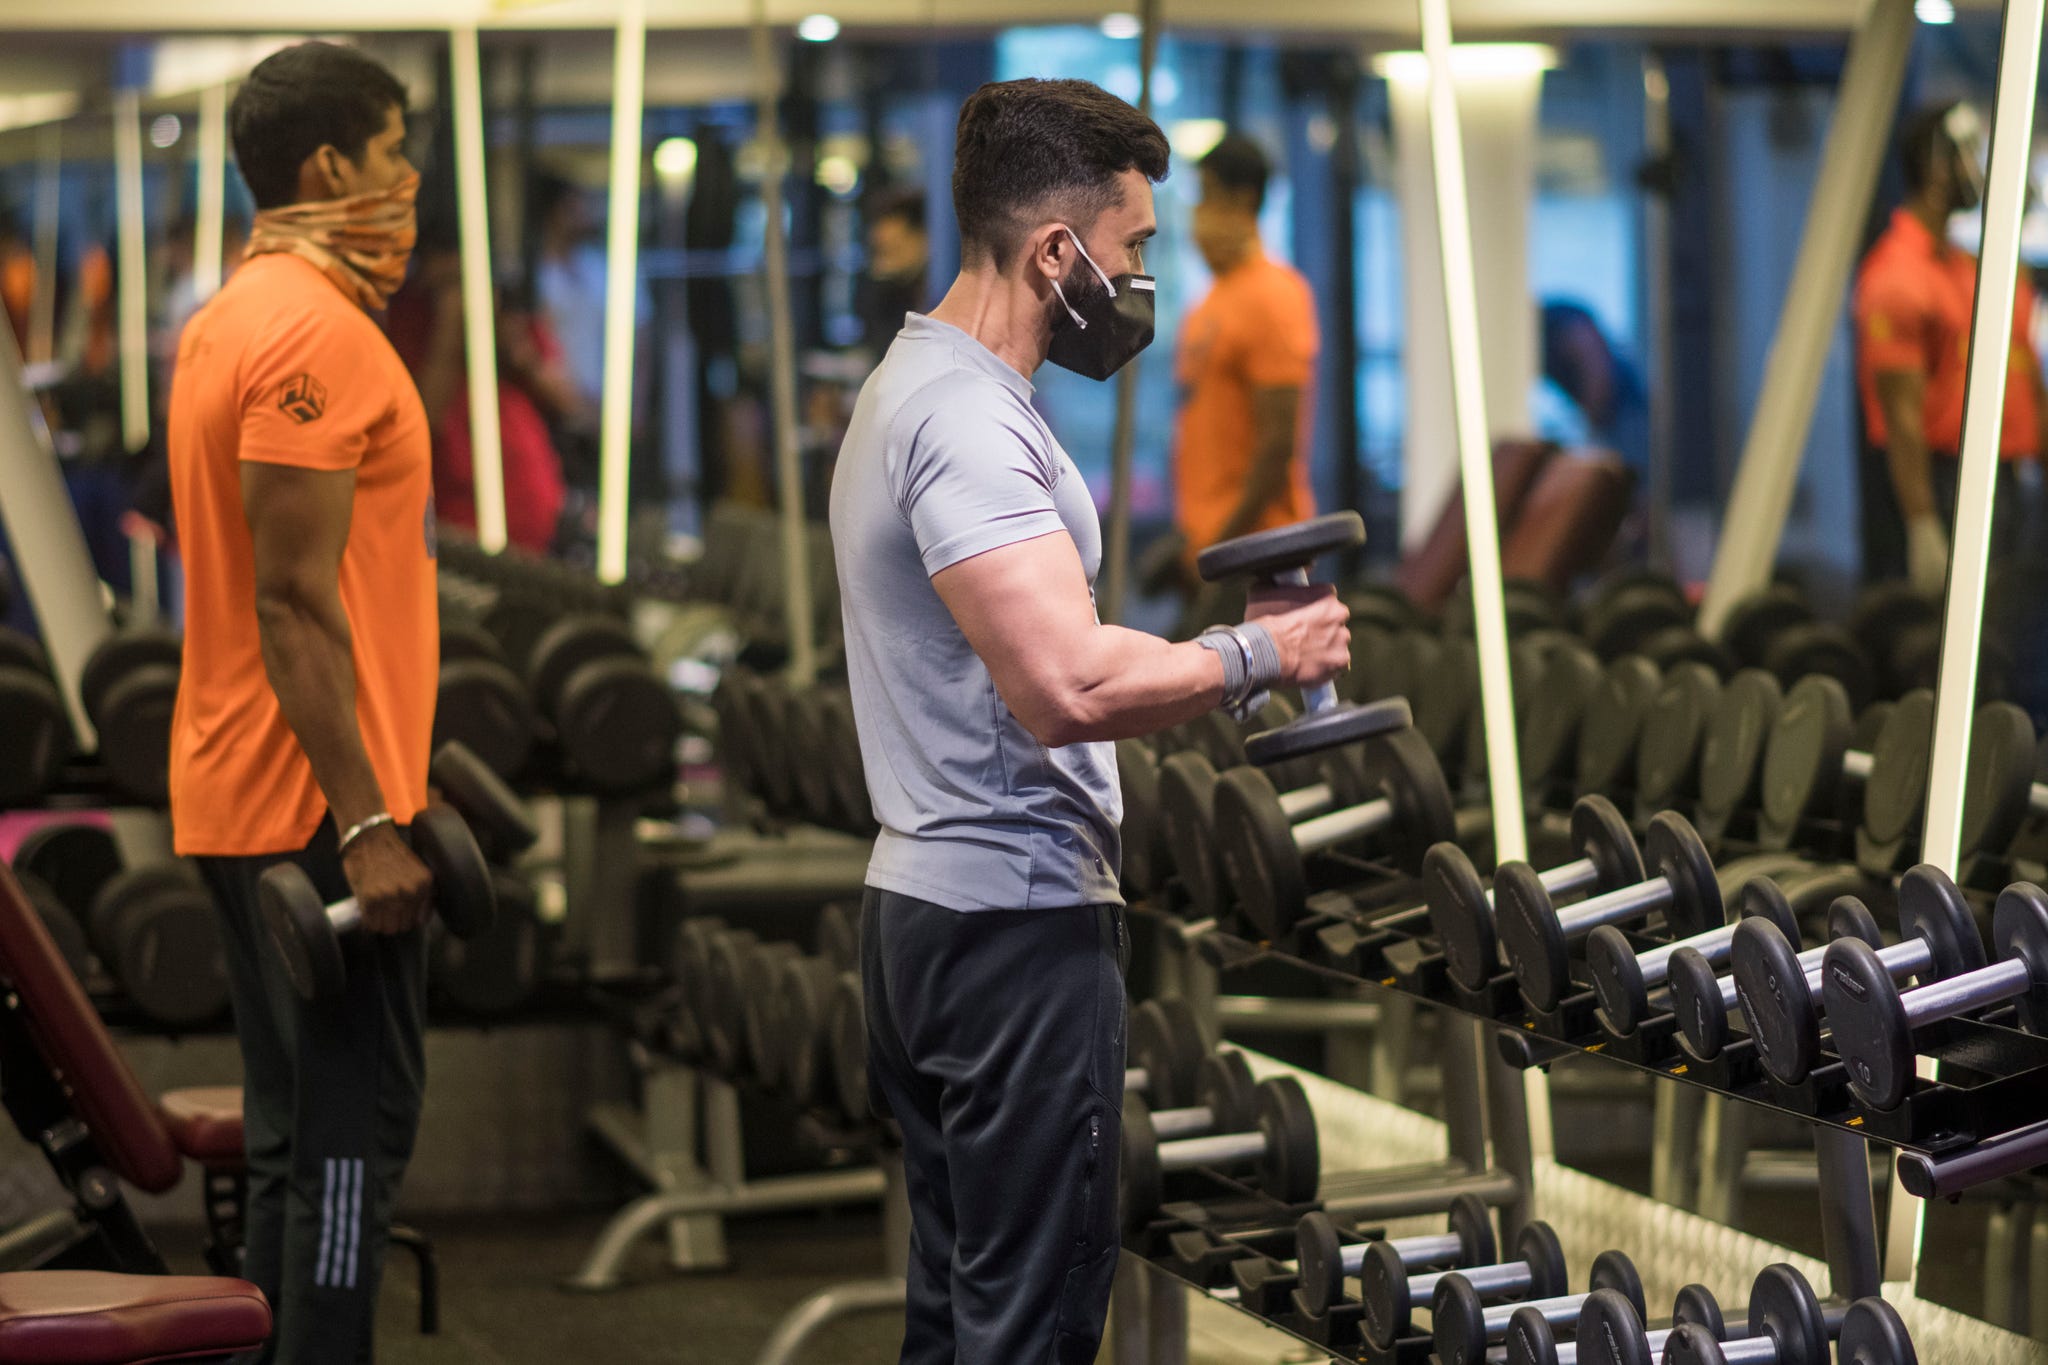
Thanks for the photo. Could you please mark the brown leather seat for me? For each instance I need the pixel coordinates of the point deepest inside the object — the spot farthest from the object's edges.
(1568, 521)
(1432, 570)
(205, 1123)
(103, 1091)
(90, 1317)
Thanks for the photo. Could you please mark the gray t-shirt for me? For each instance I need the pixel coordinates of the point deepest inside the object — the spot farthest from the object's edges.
(945, 459)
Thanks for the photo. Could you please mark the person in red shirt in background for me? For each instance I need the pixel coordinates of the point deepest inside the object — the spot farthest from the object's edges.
(426, 326)
(1914, 298)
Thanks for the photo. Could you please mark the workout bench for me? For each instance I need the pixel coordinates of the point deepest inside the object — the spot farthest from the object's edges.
(72, 1094)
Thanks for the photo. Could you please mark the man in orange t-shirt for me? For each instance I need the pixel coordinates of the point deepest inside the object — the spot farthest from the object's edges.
(1246, 364)
(1915, 294)
(299, 460)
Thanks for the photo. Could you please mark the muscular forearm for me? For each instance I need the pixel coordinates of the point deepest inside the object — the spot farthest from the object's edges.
(1912, 472)
(309, 658)
(1119, 684)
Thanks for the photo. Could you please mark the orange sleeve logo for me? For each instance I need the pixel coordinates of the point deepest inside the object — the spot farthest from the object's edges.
(1879, 327)
(303, 398)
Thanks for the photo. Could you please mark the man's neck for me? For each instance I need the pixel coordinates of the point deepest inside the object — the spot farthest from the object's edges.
(1002, 313)
(1247, 252)
(1932, 214)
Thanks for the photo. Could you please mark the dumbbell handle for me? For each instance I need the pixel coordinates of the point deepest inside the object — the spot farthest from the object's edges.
(1750, 1351)
(1322, 696)
(1510, 1277)
(1178, 1124)
(1324, 831)
(1856, 764)
(1809, 967)
(1557, 1312)
(1618, 906)
(1221, 1149)
(1713, 945)
(1568, 1351)
(1566, 879)
(1970, 991)
(344, 914)
(1137, 1078)
(1428, 1250)
(1303, 802)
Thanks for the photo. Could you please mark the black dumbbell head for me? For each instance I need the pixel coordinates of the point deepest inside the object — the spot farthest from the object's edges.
(1783, 1308)
(36, 741)
(493, 811)
(2019, 927)
(1779, 1009)
(1600, 833)
(1460, 916)
(1732, 748)
(1291, 1168)
(850, 1049)
(1667, 759)
(1187, 811)
(1264, 553)
(2000, 777)
(1458, 1322)
(1531, 1340)
(482, 705)
(1166, 1043)
(1617, 981)
(1472, 1224)
(1383, 1294)
(1895, 797)
(1611, 1331)
(464, 899)
(838, 935)
(1320, 732)
(1802, 764)
(296, 920)
(1696, 1002)
(1672, 850)
(1873, 1333)
(1932, 907)
(1531, 938)
(1259, 855)
(1226, 1087)
(1141, 1179)
(1615, 1271)
(1143, 835)
(1318, 1256)
(1613, 723)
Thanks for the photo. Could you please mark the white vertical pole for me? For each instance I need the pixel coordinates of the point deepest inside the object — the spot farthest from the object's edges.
(622, 274)
(42, 310)
(1962, 629)
(479, 312)
(211, 226)
(1858, 137)
(1656, 261)
(1475, 456)
(789, 465)
(132, 304)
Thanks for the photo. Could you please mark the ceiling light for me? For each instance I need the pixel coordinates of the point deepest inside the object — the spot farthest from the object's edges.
(675, 158)
(164, 131)
(818, 28)
(1472, 59)
(1121, 27)
(1934, 11)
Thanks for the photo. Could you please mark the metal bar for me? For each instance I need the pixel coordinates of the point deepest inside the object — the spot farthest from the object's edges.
(1475, 452)
(1848, 1216)
(789, 469)
(479, 303)
(1425, 1196)
(1947, 998)
(793, 1334)
(1221, 1149)
(1962, 628)
(1858, 137)
(1306, 801)
(621, 294)
(42, 308)
(132, 256)
(1116, 548)
(1323, 831)
(50, 554)
(209, 231)
(1938, 1177)
(1294, 1015)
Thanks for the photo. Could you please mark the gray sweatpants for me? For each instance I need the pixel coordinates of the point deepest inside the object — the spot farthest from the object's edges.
(331, 1104)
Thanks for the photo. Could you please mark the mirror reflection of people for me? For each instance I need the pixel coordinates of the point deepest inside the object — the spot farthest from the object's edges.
(899, 256)
(1914, 297)
(1246, 366)
(300, 474)
(1587, 368)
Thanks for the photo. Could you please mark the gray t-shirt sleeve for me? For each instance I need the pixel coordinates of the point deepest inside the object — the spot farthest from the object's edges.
(975, 479)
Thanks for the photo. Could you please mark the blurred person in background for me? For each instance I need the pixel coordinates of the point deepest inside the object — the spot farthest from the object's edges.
(899, 259)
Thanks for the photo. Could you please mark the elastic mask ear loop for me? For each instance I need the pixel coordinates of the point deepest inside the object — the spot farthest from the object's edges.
(1080, 321)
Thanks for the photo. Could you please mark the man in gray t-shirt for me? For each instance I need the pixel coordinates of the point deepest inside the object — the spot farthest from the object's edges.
(988, 696)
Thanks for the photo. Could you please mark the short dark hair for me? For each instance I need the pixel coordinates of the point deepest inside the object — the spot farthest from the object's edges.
(1029, 145)
(301, 99)
(905, 206)
(1238, 163)
(1923, 137)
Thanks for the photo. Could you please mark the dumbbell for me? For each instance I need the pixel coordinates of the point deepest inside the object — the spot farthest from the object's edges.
(1701, 999)
(616, 723)
(129, 687)
(1226, 1101)
(1564, 691)
(1774, 629)
(1627, 609)
(1608, 1332)
(1873, 1022)
(307, 935)
(764, 1025)
(480, 702)
(1165, 1048)
(35, 728)
(1281, 557)
(849, 1049)
(837, 936)
(726, 983)
(1668, 754)
(1323, 1261)
(1787, 1326)
(842, 754)
(1939, 941)
(1281, 1152)
(1407, 809)
(1630, 985)
(498, 969)
(62, 925)
(1732, 750)
(495, 814)
(1461, 908)
(1612, 730)
(1187, 785)
(1536, 937)
(1463, 1324)
(1388, 1292)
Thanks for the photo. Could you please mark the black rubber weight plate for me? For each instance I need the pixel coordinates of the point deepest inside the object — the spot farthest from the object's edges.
(1667, 760)
(482, 705)
(2000, 777)
(571, 643)
(118, 655)
(618, 725)
(74, 860)
(35, 736)
(1731, 751)
(1286, 547)
(1614, 723)
(1896, 794)
(1324, 730)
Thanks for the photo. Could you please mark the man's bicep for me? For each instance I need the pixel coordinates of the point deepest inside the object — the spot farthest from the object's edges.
(1019, 605)
(298, 522)
(1901, 392)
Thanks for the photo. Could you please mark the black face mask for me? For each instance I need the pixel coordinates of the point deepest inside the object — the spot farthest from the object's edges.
(1108, 321)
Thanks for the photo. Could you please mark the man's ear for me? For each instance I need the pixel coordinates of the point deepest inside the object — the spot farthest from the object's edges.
(1049, 247)
(329, 167)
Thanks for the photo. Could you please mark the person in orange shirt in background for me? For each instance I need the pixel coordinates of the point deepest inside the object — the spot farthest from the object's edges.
(1246, 367)
(1914, 297)
(301, 479)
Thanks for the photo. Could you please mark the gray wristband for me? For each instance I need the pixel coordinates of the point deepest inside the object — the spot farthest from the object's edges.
(1231, 653)
(1265, 669)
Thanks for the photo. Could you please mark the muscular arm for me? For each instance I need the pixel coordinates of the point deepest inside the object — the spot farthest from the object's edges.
(298, 523)
(1026, 611)
(1902, 394)
(1276, 416)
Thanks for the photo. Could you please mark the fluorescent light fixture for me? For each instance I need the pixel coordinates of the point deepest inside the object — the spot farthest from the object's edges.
(1121, 26)
(26, 111)
(839, 174)
(675, 158)
(165, 130)
(1934, 11)
(1191, 138)
(1480, 60)
(817, 28)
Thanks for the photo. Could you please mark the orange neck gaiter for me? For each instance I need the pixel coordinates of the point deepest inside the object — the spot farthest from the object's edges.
(361, 243)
